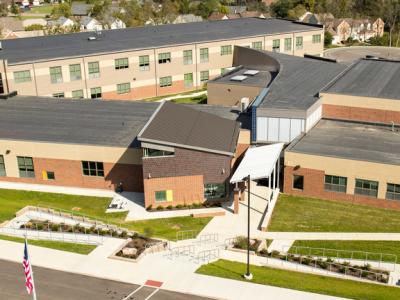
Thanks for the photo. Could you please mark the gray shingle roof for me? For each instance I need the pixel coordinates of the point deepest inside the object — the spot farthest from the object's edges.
(369, 78)
(178, 125)
(356, 141)
(71, 45)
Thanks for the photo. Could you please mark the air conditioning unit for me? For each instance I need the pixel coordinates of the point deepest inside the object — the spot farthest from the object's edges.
(244, 103)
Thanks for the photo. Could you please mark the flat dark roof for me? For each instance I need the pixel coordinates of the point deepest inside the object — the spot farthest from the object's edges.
(261, 79)
(369, 78)
(351, 140)
(118, 40)
(182, 126)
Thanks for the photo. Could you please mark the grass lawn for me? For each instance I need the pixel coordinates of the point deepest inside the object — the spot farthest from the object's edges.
(44, 9)
(13, 200)
(172, 95)
(293, 214)
(202, 99)
(386, 247)
(302, 281)
(70, 247)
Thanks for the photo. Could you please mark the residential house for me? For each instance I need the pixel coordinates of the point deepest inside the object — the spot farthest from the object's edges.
(117, 24)
(90, 24)
(62, 22)
(187, 18)
(80, 9)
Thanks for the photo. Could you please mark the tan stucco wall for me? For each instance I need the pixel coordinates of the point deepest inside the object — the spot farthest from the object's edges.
(352, 169)
(363, 102)
(65, 152)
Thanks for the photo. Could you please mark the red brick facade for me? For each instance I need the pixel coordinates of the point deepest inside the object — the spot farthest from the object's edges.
(69, 173)
(359, 114)
(314, 187)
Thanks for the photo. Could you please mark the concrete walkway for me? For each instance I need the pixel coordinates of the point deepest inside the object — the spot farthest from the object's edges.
(345, 236)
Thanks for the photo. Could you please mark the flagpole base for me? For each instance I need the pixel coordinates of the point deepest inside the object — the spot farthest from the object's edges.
(248, 276)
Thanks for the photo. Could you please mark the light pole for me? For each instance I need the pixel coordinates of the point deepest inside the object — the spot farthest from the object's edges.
(248, 275)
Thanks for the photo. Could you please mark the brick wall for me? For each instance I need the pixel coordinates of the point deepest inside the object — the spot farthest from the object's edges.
(359, 114)
(314, 187)
(186, 190)
(69, 173)
(214, 168)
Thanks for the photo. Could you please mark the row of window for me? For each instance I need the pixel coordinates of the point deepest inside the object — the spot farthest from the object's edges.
(362, 187)
(211, 191)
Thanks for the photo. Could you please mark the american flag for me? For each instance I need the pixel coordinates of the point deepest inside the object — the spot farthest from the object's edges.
(28, 271)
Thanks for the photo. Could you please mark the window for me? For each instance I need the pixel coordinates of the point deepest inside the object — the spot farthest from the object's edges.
(187, 57)
(161, 196)
(288, 44)
(214, 190)
(58, 95)
(316, 38)
(165, 81)
(56, 75)
(77, 94)
(276, 45)
(144, 63)
(22, 76)
(203, 55)
(366, 187)
(392, 190)
(121, 63)
(48, 175)
(75, 72)
(226, 50)
(299, 42)
(93, 168)
(257, 45)
(188, 80)
(25, 166)
(147, 152)
(95, 93)
(164, 58)
(298, 182)
(94, 69)
(204, 76)
(124, 88)
(2, 166)
(335, 183)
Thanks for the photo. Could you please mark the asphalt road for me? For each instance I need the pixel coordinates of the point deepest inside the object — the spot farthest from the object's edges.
(57, 285)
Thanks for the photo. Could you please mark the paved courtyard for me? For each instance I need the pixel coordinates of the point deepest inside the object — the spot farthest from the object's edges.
(349, 54)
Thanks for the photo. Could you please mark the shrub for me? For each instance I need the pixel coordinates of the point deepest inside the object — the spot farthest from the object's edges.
(148, 232)
(160, 207)
(39, 226)
(170, 207)
(34, 27)
(150, 207)
(275, 254)
(179, 206)
(240, 242)
(364, 274)
(322, 264)
(342, 269)
(123, 234)
(366, 267)
(54, 227)
(305, 261)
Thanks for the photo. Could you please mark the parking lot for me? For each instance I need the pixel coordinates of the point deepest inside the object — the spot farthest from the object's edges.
(51, 285)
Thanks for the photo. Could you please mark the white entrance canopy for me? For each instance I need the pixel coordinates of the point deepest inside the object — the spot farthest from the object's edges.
(258, 162)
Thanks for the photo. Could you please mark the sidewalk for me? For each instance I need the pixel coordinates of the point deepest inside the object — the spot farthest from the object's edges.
(175, 275)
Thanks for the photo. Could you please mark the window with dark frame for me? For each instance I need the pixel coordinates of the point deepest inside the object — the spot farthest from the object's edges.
(276, 45)
(203, 55)
(50, 175)
(226, 50)
(393, 191)
(366, 188)
(164, 58)
(288, 44)
(77, 94)
(58, 95)
(121, 63)
(93, 168)
(187, 57)
(335, 183)
(22, 76)
(257, 45)
(124, 88)
(165, 81)
(147, 152)
(214, 190)
(56, 75)
(2, 166)
(188, 80)
(316, 38)
(75, 72)
(144, 63)
(25, 167)
(161, 196)
(299, 42)
(95, 93)
(298, 182)
(94, 69)
(204, 76)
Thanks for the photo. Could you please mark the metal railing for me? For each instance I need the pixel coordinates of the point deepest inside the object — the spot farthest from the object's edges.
(186, 250)
(207, 238)
(186, 235)
(207, 256)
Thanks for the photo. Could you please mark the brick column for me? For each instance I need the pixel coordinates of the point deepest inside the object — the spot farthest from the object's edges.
(236, 192)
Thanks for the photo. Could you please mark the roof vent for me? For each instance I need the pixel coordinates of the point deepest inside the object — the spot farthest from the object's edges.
(251, 72)
(91, 38)
(239, 78)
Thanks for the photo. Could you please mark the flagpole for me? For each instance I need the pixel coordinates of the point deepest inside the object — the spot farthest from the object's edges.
(30, 263)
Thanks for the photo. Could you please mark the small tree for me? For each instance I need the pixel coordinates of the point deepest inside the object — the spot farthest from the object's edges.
(328, 39)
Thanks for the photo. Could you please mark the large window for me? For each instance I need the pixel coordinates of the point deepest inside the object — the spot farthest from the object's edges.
(226, 50)
(188, 80)
(77, 94)
(121, 63)
(144, 63)
(276, 45)
(94, 69)
(214, 190)
(95, 93)
(204, 76)
(165, 81)
(75, 72)
(366, 188)
(162, 196)
(147, 152)
(316, 38)
(298, 182)
(335, 183)
(299, 42)
(124, 88)
(288, 44)
(25, 167)
(257, 45)
(164, 58)
(93, 168)
(203, 55)
(56, 75)
(22, 76)
(187, 57)
(2, 166)
(392, 190)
